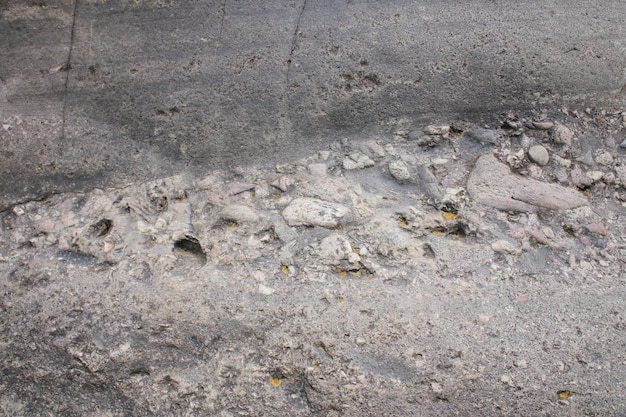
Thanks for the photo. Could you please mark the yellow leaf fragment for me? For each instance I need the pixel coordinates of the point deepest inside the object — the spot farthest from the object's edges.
(437, 232)
(449, 216)
(402, 221)
(564, 395)
(340, 299)
(275, 381)
(285, 269)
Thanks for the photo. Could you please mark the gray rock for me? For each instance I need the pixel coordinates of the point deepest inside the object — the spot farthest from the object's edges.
(493, 184)
(436, 130)
(312, 212)
(239, 213)
(534, 262)
(357, 160)
(399, 170)
(562, 135)
(539, 155)
(604, 158)
(579, 178)
(428, 182)
(334, 248)
(623, 144)
(482, 135)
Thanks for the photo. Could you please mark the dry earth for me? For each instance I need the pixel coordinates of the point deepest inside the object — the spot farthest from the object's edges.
(453, 269)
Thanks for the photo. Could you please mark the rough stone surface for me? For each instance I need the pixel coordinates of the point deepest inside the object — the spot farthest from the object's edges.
(98, 93)
(193, 295)
(399, 170)
(562, 135)
(313, 212)
(492, 183)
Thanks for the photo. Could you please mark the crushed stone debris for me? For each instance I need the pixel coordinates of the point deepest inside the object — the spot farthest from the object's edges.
(402, 269)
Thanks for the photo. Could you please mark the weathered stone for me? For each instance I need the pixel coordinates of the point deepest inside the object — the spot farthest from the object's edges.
(436, 130)
(399, 170)
(562, 135)
(597, 228)
(334, 248)
(239, 213)
(482, 135)
(313, 212)
(357, 160)
(604, 158)
(539, 155)
(594, 176)
(493, 184)
(579, 178)
(543, 125)
(504, 246)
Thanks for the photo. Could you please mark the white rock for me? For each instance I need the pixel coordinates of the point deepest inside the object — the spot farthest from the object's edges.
(594, 176)
(399, 170)
(436, 130)
(436, 387)
(312, 212)
(353, 258)
(265, 290)
(357, 160)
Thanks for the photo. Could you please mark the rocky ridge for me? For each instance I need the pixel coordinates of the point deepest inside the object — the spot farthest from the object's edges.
(405, 273)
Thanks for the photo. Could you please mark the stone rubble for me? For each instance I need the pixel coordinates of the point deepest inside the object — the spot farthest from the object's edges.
(339, 228)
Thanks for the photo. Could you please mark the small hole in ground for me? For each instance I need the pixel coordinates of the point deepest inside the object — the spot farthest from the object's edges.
(190, 246)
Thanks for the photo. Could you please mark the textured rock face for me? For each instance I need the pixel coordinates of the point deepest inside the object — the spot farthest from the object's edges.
(492, 183)
(96, 93)
(312, 288)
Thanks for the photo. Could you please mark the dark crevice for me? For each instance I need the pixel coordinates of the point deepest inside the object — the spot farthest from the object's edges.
(294, 39)
(223, 10)
(67, 67)
(190, 246)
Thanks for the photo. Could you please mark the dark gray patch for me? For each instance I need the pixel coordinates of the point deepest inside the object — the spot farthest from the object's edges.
(534, 262)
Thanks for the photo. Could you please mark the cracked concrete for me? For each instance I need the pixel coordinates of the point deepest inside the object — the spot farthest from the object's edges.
(159, 88)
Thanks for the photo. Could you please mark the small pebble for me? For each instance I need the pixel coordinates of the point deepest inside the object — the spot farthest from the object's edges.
(539, 155)
(436, 130)
(597, 228)
(436, 387)
(623, 144)
(506, 379)
(543, 125)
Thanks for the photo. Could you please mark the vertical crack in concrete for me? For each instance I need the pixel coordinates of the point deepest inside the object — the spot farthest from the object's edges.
(223, 10)
(294, 40)
(67, 67)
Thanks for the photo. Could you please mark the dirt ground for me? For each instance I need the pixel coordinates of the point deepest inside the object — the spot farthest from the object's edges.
(460, 268)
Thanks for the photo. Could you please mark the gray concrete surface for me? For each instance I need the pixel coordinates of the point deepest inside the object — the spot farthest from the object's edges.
(97, 93)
